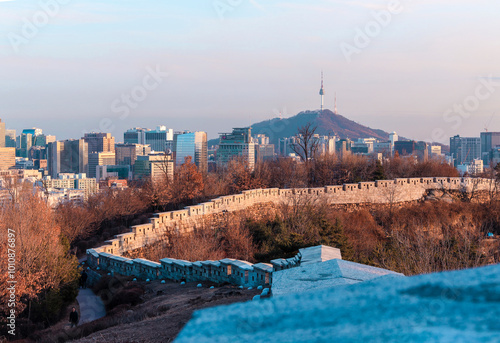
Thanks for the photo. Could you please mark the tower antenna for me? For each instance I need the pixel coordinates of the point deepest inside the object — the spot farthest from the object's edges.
(322, 92)
(336, 112)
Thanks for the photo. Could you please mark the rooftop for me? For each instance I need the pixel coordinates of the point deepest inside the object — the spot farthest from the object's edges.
(324, 275)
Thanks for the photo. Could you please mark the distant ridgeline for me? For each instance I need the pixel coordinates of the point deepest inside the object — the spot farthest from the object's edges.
(108, 257)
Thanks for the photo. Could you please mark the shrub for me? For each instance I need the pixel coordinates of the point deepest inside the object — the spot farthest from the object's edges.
(132, 296)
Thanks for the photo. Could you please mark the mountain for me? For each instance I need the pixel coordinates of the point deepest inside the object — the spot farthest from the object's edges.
(326, 123)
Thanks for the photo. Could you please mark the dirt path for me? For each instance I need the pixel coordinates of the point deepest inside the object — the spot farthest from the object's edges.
(91, 306)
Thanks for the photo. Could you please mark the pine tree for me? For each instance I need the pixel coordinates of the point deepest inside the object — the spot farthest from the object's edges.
(379, 172)
(334, 236)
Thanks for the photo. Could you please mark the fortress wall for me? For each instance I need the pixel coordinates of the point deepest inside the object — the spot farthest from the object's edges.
(227, 270)
(185, 220)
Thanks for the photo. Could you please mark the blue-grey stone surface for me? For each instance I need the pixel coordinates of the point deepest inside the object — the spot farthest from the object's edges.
(460, 306)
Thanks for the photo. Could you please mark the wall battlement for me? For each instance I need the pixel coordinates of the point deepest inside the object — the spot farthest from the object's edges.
(229, 270)
(185, 220)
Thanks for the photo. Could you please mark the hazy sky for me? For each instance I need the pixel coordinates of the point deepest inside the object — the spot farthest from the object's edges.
(68, 66)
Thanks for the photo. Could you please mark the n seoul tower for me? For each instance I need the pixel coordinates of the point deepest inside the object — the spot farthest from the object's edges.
(322, 92)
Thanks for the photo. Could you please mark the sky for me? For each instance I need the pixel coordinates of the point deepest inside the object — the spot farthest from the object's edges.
(426, 69)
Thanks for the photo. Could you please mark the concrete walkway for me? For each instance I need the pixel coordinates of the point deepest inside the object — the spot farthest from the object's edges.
(91, 306)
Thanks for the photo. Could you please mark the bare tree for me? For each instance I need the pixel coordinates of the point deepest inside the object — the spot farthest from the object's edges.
(15, 186)
(306, 145)
(158, 188)
(166, 165)
(42, 260)
(421, 251)
(493, 176)
(392, 197)
(74, 220)
(469, 190)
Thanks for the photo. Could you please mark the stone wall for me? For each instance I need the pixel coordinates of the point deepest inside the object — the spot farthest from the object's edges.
(386, 191)
(93, 277)
(228, 270)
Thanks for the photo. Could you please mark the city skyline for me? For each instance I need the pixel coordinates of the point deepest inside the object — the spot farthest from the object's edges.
(216, 66)
(204, 164)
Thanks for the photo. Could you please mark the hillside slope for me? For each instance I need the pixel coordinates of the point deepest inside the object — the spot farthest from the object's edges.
(326, 123)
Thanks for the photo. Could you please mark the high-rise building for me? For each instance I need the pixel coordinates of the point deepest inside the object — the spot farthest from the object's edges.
(286, 146)
(99, 142)
(343, 147)
(38, 156)
(192, 144)
(494, 157)
(393, 138)
(2, 134)
(34, 131)
(404, 148)
(237, 144)
(101, 150)
(100, 159)
(69, 156)
(465, 149)
(261, 139)
(42, 140)
(32, 137)
(326, 145)
(421, 151)
(54, 158)
(159, 139)
(7, 158)
(155, 165)
(25, 141)
(263, 150)
(37, 153)
(10, 138)
(489, 142)
(455, 148)
(135, 136)
(126, 154)
(418, 149)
